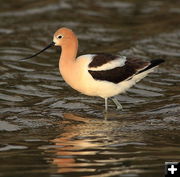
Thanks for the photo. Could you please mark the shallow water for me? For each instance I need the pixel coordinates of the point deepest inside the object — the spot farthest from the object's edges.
(48, 129)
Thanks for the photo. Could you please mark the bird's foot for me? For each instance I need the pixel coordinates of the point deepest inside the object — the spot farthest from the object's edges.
(118, 105)
(119, 108)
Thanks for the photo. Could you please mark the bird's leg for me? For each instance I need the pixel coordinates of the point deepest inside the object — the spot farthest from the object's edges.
(106, 105)
(118, 105)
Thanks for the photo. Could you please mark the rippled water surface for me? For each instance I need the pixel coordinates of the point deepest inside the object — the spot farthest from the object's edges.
(48, 129)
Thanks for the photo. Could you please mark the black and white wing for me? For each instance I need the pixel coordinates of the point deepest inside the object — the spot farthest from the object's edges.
(115, 69)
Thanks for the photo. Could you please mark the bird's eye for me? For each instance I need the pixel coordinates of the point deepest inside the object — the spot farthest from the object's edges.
(59, 37)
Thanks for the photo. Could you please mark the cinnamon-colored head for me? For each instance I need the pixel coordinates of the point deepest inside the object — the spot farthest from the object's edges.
(63, 36)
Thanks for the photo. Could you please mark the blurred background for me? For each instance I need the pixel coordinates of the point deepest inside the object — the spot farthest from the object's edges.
(48, 129)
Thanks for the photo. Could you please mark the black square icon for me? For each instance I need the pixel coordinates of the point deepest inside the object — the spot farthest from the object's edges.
(172, 169)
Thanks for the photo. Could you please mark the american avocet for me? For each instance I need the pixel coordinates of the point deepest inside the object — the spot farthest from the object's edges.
(102, 75)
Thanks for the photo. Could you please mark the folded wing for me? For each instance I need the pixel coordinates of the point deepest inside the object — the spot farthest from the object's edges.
(115, 69)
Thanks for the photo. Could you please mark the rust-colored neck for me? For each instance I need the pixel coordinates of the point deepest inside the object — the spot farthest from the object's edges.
(69, 51)
(68, 58)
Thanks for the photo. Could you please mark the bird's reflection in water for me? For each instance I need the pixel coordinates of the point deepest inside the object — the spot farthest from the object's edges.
(87, 145)
(80, 138)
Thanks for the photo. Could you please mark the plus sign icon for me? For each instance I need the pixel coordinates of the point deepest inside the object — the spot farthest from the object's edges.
(172, 169)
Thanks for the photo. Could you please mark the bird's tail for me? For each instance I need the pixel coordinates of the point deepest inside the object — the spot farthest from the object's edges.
(153, 63)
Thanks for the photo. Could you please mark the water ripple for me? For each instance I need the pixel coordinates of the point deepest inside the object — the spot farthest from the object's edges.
(10, 98)
(48, 128)
(5, 126)
(12, 147)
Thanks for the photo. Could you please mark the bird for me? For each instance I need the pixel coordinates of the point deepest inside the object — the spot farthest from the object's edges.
(101, 74)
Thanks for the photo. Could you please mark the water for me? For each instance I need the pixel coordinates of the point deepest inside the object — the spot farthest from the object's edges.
(48, 129)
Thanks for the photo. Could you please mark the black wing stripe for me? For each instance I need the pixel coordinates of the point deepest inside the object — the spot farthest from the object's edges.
(112, 75)
(116, 75)
(101, 59)
(152, 64)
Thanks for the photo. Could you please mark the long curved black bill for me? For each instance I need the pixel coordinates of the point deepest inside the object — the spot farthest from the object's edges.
(50, 45)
